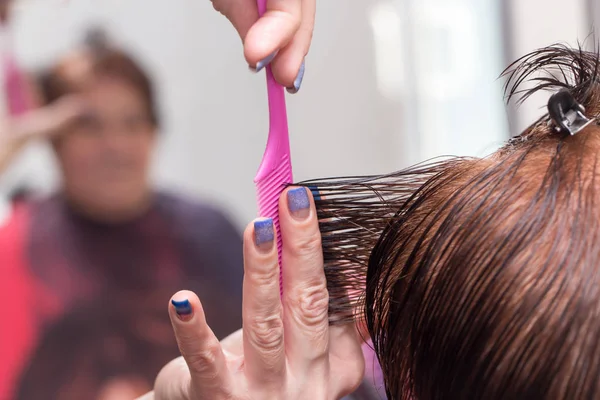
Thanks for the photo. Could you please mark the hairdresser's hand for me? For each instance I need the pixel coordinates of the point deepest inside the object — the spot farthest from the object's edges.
(281, 36)
(286, 350)
(46, 121)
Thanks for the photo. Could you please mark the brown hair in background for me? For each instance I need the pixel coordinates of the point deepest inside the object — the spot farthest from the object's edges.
(97, 58)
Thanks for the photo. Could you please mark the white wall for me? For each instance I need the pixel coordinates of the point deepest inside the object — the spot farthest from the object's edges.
(539, 23)
(362, 108)
(457, 55)
(215, 109)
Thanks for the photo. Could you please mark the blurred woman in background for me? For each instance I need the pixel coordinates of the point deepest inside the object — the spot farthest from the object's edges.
(106, 234)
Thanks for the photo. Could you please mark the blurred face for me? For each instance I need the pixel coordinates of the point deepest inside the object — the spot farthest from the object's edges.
(105, 156)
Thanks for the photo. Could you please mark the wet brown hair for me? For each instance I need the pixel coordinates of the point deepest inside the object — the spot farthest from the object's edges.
(97, 58)
(482, 275)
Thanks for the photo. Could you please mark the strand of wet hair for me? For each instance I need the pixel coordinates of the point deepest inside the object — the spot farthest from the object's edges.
(353, 212)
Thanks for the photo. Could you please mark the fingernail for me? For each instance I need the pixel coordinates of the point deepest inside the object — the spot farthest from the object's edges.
(264, 234)
(298, 202)
(315, 192)
(298, 81)
(264, 62)
(183, 308)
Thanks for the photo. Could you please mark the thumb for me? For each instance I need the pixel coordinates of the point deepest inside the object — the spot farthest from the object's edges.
(262, 37)
(172, 382)
(274, 30)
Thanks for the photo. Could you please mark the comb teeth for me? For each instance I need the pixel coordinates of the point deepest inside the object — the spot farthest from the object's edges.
(269, 189)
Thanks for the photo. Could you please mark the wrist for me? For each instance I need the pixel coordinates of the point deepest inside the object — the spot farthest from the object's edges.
(12, 136)
(20, 130)
(10, 145)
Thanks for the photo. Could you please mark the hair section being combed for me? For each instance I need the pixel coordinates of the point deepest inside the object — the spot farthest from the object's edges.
(353, 212)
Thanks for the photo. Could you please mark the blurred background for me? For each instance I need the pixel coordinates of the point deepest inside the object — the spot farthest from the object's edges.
(388, 83)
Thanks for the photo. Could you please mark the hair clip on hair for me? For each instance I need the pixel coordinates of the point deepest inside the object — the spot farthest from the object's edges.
(567, 113)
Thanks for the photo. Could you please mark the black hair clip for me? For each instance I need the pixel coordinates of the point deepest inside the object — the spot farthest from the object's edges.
(567, 113)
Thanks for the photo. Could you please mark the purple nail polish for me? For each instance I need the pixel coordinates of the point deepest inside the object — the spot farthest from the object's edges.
(264, 234)
(298, 82)
(264, 62)
(298, 202)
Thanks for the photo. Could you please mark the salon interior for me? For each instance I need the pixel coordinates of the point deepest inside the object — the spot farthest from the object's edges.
(142, 186)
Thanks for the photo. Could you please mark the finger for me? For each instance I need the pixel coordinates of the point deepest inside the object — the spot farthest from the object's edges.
(200, 348)
(305, 297)
(68, 107)
(64, 111)
(241, 13)
(50, 119)
(273, 31)
(264, 350)
(288, 67)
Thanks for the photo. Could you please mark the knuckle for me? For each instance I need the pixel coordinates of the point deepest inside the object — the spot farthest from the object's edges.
(265, 275)
(308, 248)
(266, 334)
(312, 304)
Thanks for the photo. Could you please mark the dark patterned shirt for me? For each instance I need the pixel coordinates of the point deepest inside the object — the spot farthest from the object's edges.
(54, 262)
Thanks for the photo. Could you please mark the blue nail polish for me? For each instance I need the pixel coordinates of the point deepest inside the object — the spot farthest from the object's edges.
(315, 193)
(264, 62)
(298, 81)
(263, 231)
(298, 200)
(182, 307)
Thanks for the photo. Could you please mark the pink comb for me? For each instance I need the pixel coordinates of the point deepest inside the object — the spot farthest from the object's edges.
(276, 168)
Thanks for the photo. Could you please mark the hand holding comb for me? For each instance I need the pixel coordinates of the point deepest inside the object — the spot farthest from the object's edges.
(353, 212)
(275, 171)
